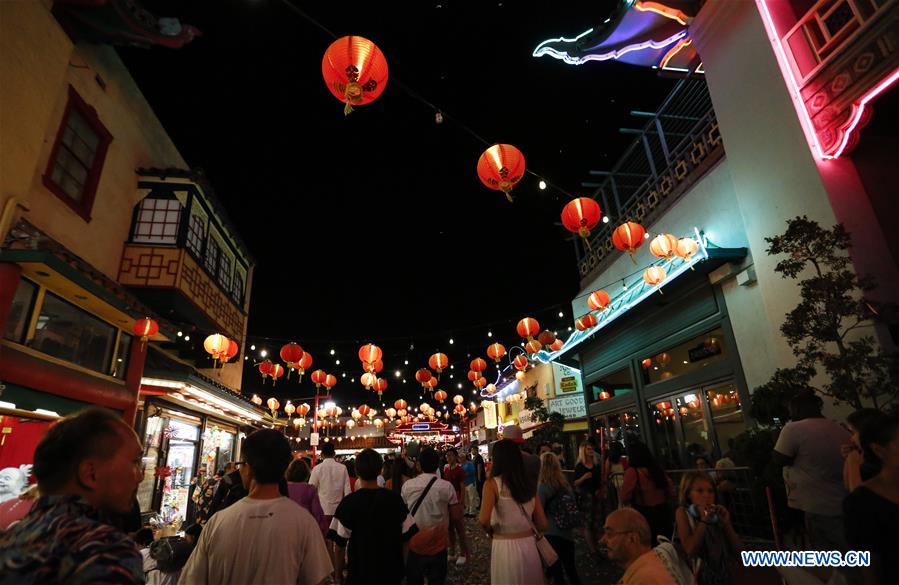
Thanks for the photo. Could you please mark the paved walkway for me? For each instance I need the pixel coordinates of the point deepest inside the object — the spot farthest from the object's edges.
(592, 571)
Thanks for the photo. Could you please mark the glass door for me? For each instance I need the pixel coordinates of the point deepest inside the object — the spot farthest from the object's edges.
(727, 415)
(180, 458)
(665, 431)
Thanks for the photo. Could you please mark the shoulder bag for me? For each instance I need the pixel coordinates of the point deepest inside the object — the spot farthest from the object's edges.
(548, 555)
(433, 539)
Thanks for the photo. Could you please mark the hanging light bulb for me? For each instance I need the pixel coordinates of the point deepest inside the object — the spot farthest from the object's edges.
(542, 185)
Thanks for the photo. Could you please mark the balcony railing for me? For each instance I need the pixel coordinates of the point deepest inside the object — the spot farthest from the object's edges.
(675, 148)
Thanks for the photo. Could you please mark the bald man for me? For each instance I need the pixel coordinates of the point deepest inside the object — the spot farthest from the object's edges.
(627, 538)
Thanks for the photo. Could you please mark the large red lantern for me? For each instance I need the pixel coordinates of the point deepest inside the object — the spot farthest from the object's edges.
(291, 354)
(527, 328)
(459, 409)
(305, 364)
(480, 382)
(355, 71)
(599, 300)
(440, 396)
(232, 350)
(585, 322)
(378, 366)
(368, 380)
(400, 404)
(581, 215)
(431, 384)
(145, 328)
(368, 355)
(500, 167)
(216, 345)
(546, 338)
(472, 375)
(380, 386)
(628, 237)
(496, 351)
(318, 378)
(438, 362)
(478, 365)
(686, 247)
(663, 246)
(364, 409)
(422, 376)
(303, 409)
(265, 368)
(533, 346)
(520, 362)
(277, 372)
(330, 381)
(557, 345)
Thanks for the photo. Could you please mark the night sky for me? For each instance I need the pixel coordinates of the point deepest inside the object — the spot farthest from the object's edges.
(375, 227)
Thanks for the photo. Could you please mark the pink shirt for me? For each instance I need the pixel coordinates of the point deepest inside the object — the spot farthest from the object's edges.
(13, 510)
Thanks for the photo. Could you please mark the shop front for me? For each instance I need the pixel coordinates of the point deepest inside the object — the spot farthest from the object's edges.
(668, 373)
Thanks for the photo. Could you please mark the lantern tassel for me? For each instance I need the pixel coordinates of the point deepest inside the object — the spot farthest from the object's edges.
(347, 109)
(633, 253)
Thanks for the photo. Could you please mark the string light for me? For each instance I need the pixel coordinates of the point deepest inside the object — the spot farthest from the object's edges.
(180, 334)
(263, 353)
(187, 338)
(542, 185)
(451, 340)
(252, 348)
(333, 352)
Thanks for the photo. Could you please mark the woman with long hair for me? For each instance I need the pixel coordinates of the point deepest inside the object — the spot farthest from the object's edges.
(588, 482)
(509, 512)
(299, 490)
(550, 487)
(647, 489)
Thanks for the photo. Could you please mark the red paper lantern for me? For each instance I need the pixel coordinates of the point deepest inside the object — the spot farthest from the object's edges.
(654, 275)
(546, 338)
(496, 351)
(368, 380)
(378, 366)
(458, 399)
(330, 381)
(318, 378)
(533, 346)
(400, 404)
(303, 409)
(500, 167)
(663, 359)
(431, 384)
(265, 368)
(557, 345)
(380, 386)
(628, 237)
(368, 355)
(663, 406)
(599, 300)
(581, 215)
(527, 328)
(490, 389)
(472, 375)
(277, 372)
(364, 409)
(232, 350)
(305, 364)
(646, 362)
(585, 322)
(478, 365)
(604, 395)
(686, 247)
(422, 376)
(145, 328)
(459, 409)
(273, 405)
(480, 382)
(520, 362)
(355, 71)
(440, 396)
(291, 354)
(256, 400)
(216, 345)
(663, 246)
(438, 362)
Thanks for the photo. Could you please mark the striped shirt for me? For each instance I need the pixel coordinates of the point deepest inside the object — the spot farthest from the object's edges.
(64, 540)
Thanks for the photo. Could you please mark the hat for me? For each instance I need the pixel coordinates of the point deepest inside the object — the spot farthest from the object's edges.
(513, 433)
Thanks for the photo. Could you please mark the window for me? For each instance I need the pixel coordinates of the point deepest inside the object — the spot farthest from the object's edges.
(237, 285)
(687, 357)
(212, 256)
(157, 221)
(66, 332)
(225, 271)
(20, 312)
(196, 232)
(120, 361)
(612, 385)
(76, 159)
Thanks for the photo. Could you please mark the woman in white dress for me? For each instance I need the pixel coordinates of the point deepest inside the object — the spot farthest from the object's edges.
(509, 506)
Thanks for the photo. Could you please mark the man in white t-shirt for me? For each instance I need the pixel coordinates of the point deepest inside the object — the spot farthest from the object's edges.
(434, 511)
(264, 537)
(809, 449)
(332, 480)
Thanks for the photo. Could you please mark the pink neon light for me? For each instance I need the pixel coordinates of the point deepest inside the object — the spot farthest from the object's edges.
(564, 56)
(805, 120)
(859, 109)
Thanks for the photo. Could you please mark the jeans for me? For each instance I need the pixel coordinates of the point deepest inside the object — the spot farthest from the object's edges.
(565, 549)
(419, 567)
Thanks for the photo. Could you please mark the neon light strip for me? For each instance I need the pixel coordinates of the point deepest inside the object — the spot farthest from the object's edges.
(859, 109)
(241, 411)
(662, 10)
(674, 51)
(786, 70)
(564, 56)
(561, 40)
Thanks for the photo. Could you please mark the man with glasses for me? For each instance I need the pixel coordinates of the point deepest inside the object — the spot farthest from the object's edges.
(627, 538)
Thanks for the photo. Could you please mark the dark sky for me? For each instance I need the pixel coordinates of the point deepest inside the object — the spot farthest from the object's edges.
(375, 226)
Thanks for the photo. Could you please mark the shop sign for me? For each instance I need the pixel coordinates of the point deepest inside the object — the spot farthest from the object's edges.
(704, 351)
(489, 414)
(568, 380)
(313, 439)
(526, 419)
(569, 406)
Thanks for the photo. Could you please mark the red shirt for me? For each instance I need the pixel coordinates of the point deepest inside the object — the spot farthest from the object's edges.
(455, 476)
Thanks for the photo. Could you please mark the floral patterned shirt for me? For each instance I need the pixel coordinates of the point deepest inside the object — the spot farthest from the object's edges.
(64, 540)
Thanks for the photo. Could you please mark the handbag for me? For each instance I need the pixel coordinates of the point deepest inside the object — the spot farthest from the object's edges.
(548, 555)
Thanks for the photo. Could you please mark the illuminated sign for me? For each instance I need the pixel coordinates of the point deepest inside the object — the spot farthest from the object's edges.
(421, 427)
(569, 406)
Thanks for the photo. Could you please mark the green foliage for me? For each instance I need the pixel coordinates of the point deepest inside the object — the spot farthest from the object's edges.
(832, 305)
(551, 432)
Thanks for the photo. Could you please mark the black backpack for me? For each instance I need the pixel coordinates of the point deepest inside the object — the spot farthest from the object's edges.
(562, 508)
(170, 553)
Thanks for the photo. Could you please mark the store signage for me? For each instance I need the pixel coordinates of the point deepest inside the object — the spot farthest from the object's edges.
(489, 414)
(567, 380)
(421, 427)
(569, 406)
(526, 419)
(313, 439)
(704, 351)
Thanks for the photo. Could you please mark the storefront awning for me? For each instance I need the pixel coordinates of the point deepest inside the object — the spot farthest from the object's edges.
(704, 261)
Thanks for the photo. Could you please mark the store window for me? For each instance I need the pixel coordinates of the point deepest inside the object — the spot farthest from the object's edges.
(171, 447)
(237, 285)
(619, 427)
(20, 312)
(76, 159)
(157, 221)
(196, 232)
(213, 251)
(687, 357)
(727, 414)
(20, 437)
(615, 384)
(120, 362)
(218, 447)
(225, 271)
(69, 333)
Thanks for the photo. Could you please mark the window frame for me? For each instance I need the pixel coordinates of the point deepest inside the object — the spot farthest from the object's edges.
(146, 238)
(84, 207)
(224, 271)
(212, 265)
(199, 238)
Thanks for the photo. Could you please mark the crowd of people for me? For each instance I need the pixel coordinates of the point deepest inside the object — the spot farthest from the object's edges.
(276, 518)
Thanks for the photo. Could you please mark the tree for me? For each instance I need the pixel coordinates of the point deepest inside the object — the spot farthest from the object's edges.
(549, 433)
(833, 304)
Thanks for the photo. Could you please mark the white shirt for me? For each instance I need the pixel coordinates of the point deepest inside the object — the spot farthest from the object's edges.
(815, 479)
(259, 541)
(434, 509)
(332, 481)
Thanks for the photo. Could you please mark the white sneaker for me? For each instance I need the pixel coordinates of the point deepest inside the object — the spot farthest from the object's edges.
(461, 561)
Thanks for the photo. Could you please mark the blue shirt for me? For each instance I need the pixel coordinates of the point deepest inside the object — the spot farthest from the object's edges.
(468, 468)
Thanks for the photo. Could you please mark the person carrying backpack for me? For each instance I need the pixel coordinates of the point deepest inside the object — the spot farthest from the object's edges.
(562, 517)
